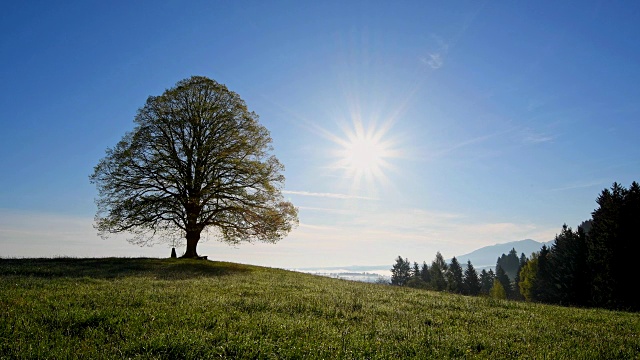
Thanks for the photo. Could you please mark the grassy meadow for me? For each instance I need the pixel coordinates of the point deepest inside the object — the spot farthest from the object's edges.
(115, 308)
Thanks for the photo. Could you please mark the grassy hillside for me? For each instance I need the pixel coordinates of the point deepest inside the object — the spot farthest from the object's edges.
(156, 308)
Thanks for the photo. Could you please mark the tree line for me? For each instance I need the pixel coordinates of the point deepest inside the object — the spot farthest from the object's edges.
(592, 266)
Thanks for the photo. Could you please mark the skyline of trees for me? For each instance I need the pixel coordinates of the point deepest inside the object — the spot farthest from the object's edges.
(591, 266)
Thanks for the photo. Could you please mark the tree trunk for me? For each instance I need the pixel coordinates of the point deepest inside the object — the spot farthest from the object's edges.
(192, 241)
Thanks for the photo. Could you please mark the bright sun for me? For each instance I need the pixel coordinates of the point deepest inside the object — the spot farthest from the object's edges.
(364, 153)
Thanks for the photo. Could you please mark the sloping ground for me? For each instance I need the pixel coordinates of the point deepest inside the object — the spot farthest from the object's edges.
(189, 309)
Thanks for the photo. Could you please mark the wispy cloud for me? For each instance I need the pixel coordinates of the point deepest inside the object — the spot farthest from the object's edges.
(530, 136)
(465, 143)
(327, 195)
(538, 138)
(435, 60)
(580, 185)
(326, 210)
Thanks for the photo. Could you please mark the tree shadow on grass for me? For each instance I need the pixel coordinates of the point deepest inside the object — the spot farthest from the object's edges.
(109, 268)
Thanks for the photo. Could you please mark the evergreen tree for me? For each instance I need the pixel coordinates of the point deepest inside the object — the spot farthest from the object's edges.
(585, 226)
(400, 272)
(425, 274)
(503, 279)
(455, 277)
(509, 263)
(612, 246)
(416, 279)
(471, 281)
(543, 286)
(629, 248)
(415, 272)
(438, 270)
(486, 281)
(568, 259)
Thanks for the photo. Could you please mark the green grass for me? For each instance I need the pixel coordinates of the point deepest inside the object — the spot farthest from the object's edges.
(118, 308)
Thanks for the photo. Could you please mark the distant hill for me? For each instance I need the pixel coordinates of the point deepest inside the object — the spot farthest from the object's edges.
(487, 256)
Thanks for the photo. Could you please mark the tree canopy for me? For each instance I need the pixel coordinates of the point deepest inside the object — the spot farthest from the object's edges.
(401, 271)
(197, 160)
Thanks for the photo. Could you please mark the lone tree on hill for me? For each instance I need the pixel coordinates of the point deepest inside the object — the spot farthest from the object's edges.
(197, 160)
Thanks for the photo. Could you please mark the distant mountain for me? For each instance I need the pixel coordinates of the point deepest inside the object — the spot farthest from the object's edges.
(486, 257)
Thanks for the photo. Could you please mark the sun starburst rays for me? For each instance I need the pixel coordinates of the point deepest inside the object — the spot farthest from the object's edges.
(364, 154)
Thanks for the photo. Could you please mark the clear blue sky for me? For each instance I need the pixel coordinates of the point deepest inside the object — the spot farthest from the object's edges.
(502, 120)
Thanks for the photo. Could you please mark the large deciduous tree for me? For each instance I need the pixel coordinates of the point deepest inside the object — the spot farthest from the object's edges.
(197, 160)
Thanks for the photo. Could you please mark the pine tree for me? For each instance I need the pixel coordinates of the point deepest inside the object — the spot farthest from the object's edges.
(503, 279)
(543, 290)
(438, 270)
(425, 274)
(415, 281)
(568, 259)
(509, 263)
(455, 277)
(612, 246)
(400, 272)
(486, 281)
(629, 249)
(471, 281)
(415, 272)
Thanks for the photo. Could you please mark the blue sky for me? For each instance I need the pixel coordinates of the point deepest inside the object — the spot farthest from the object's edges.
(506, 119)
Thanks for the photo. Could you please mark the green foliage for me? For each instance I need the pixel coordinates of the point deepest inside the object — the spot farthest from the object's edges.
(528, 277)
(497, 291)
(516, 294)
(504, 281)
(189, 309)
(543, 286)
(417, 283)
(438, 270)
(415, 271)
(486, 281)
(471, 283)
(425, 274)
(595, 265)
(197, 159)
(454, 277)
(400, 272)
